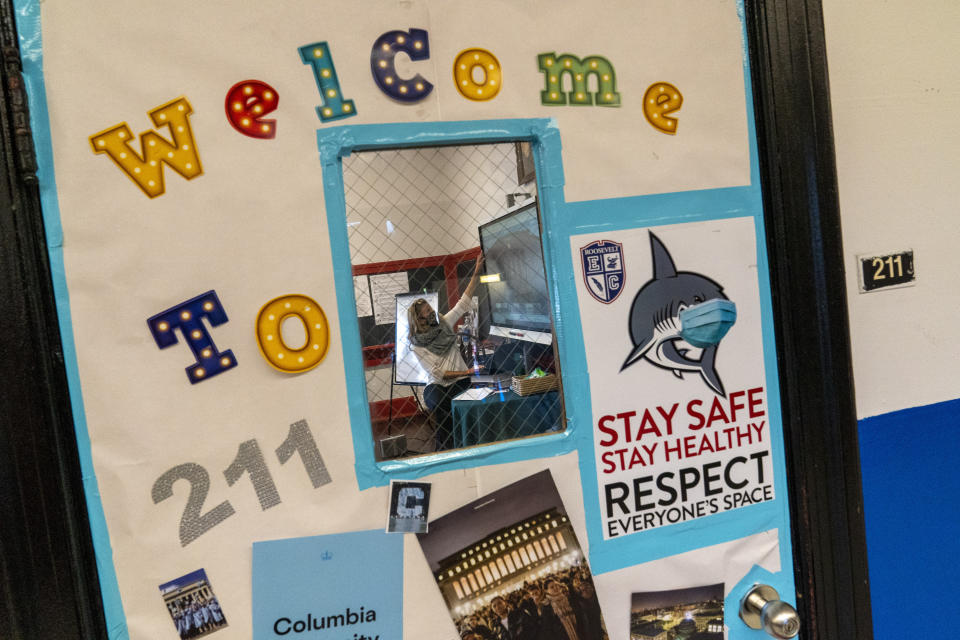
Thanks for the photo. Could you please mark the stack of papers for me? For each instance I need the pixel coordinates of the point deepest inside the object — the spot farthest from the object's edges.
(474, 394)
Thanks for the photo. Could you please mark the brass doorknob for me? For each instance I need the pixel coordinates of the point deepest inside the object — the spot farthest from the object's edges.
(762, 608)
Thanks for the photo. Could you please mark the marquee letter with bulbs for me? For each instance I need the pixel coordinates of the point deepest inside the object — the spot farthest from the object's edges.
(463, 68)
(334, 106)
(416, 45)
(661, 99)
(246, 104)
(147, 170)
(554, 67)
(186, 317)
(270, 336)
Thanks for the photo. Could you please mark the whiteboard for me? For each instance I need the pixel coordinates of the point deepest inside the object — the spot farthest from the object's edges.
(408, 369)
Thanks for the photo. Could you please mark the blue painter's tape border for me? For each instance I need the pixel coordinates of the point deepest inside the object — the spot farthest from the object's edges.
(31, 50)
(615, 553)
(651, 211)
(767, 325)
(781, 581)
(561, 222)
(336, 143)
(677, 208)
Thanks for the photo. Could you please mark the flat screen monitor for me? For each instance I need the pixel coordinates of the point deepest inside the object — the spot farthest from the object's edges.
(518, 303)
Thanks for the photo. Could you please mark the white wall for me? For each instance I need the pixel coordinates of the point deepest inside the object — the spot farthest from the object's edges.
(416, 203)
(895, 90)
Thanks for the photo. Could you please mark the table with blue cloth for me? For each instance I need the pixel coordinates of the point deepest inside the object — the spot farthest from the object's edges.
(504, 415)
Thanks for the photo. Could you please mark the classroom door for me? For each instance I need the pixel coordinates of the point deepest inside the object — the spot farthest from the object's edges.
(807, 339)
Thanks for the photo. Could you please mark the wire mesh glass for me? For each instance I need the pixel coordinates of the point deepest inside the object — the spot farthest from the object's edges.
(438, 373)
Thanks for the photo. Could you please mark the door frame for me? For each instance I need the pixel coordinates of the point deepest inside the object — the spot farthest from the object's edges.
(788, 62)
(49, 584)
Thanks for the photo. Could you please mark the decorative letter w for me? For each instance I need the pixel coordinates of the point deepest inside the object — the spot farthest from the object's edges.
(146, 170)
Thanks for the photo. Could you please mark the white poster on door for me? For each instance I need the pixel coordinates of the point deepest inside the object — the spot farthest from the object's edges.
(672, 332)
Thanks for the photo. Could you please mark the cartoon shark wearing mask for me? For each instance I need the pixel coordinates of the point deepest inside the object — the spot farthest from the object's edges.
(677, 307)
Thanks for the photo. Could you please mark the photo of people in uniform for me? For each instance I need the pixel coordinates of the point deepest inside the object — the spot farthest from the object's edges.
(510, 567)
(192, 605)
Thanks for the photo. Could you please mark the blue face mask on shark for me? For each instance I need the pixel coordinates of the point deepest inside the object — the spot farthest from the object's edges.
(706, 323)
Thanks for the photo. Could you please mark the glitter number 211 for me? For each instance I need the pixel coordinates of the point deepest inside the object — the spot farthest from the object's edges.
(249, 459)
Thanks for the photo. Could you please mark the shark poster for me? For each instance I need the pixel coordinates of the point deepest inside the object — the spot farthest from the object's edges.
(677, 381)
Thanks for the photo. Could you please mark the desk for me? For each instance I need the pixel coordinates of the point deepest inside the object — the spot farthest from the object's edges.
(504, 415)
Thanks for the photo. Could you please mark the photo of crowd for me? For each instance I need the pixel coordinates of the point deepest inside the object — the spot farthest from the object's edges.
(510, 567)
(559, 606)
(192, 605)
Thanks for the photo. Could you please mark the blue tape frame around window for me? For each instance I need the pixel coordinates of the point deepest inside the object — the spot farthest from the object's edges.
(335, 144)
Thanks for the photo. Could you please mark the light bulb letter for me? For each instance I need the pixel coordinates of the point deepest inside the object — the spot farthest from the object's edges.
(554, 67)
(416, 45)
(333, 105)
(187, 317)
(146, 168)
(246, 105)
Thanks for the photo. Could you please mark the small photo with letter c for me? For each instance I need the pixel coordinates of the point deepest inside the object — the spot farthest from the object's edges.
(409, 505)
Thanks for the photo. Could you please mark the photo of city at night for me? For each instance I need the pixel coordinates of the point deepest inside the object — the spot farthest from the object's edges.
(509, 566)
(681, 614)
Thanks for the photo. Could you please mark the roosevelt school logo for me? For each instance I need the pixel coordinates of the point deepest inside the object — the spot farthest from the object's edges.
(603, 269)
(675, 314)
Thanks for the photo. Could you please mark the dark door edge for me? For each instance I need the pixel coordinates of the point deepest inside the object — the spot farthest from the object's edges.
(49, 586)
(798, 175)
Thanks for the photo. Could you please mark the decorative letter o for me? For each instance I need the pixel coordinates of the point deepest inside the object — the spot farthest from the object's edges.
(270, 338)
(463, 68)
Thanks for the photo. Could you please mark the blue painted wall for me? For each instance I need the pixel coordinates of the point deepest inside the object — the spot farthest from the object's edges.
(911, 488)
